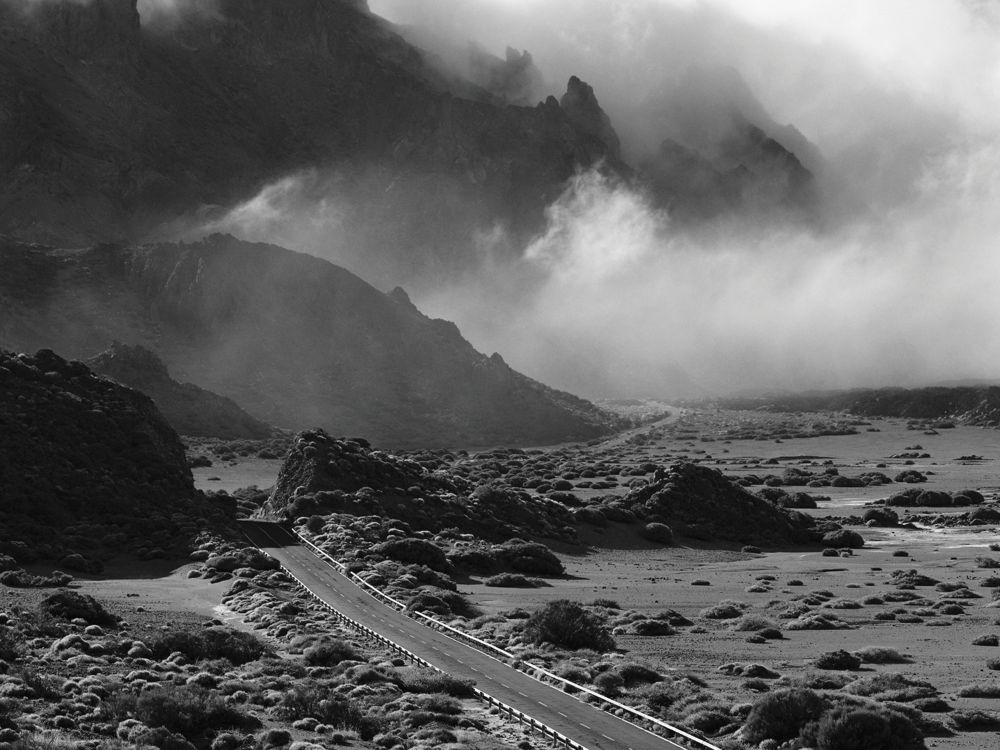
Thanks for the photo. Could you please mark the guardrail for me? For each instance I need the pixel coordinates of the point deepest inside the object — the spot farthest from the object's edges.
(512, 660)
(558, 738)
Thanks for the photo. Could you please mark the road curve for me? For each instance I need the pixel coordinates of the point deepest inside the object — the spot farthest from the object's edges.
(591, 727)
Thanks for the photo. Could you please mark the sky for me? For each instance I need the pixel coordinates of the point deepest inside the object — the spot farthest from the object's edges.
(894, 287)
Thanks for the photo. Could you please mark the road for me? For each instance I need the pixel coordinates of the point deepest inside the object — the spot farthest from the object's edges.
(587, 725)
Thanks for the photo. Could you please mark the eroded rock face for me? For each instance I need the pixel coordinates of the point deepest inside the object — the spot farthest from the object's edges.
(190, 410)
(74, 445)
(699, 502)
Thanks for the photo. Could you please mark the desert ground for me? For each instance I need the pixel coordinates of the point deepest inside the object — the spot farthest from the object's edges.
(691, 577)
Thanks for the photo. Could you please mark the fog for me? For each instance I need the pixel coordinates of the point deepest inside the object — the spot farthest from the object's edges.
(901, 99)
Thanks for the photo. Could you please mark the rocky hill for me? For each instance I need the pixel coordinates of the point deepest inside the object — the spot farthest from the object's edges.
(700, 502)
(88, 468)
(190, 410)
(295, 340)
(115, 126)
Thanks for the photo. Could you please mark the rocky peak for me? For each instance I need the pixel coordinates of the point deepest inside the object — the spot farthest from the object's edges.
(581, 107)
(94, 29)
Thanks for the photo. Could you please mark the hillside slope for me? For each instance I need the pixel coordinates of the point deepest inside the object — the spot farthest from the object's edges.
(189, 409)
(297, 341)
(77, 447)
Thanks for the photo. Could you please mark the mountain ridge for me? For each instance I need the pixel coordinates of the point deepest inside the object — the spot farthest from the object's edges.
(295, 340)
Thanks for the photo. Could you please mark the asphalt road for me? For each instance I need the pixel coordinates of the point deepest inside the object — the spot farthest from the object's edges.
(587, 725)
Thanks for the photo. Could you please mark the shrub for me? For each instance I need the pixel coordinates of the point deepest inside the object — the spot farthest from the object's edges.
(313, 700)
(782, 715)
(752, 623)
(69, 605)
(567, 624)
(975, 721)
(414, 550)
(511, 580)
(979, 691)
(848, 728)
(652, 628)
(421, 681)
(531, 557)
(839, 659)
(606, 603)
(891, 687)
(635, 674)
(188, 710)
(236, 646)
(329, 653)
(723, 611)
(663, 695)
(609, 684)
(987, 562)
(880, 655)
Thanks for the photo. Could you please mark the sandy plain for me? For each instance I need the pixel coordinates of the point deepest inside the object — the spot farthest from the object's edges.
(613, 565)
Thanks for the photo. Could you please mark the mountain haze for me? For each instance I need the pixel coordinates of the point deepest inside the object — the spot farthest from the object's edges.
(295, 340)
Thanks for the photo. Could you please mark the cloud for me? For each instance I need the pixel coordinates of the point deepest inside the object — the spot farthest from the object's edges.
(902, 98)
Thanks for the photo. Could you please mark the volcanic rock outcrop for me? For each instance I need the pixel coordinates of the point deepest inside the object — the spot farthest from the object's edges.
(88, 468)
(190, 410)
(293, 339)
(322, 474)
(699, 502)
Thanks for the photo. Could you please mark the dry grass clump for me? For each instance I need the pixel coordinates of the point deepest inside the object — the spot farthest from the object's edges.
(891, 687)
(753, 623)
(838, 660)
(568, 625)
(979, 690)
(236, 646)
(513, 580)
(724, 610)
(880, 655)
(975, 720)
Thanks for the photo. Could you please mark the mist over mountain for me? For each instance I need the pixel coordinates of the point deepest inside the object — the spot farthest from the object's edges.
(652, 198)
(293, 339)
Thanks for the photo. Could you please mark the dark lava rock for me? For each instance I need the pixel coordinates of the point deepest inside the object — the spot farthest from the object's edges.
(189, 409)
(692, 498)
(323, 474)
(76, 446)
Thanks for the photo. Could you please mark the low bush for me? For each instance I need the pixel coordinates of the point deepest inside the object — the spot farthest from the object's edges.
(312, 700)
(329, 652)
(567, 624)
(975, 721)
(425, 681)
(511, 580)
(880, 655)
(188, 710)
(979, 691)
(70, 605)
(236, 646)
(782, 715)
(839, 659)
(848, 728)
